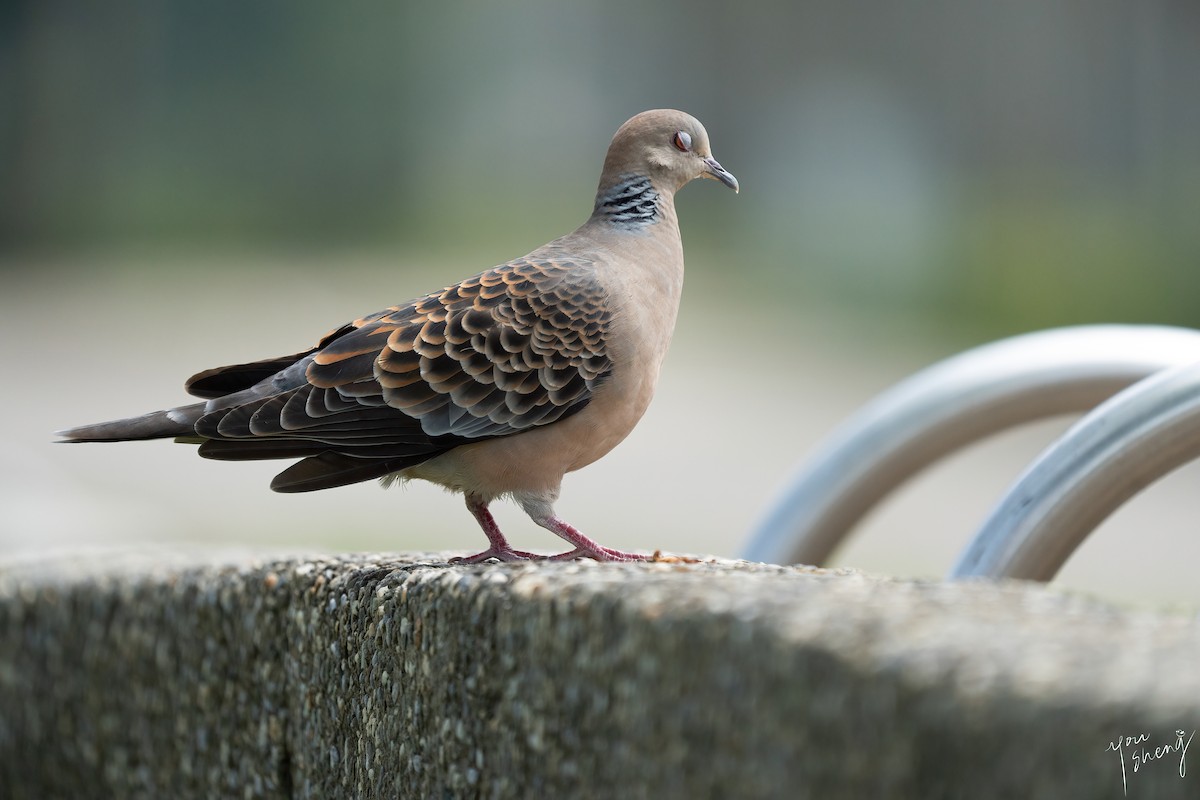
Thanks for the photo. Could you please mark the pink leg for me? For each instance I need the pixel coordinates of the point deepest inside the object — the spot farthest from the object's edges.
(584, 547)
(499, 548)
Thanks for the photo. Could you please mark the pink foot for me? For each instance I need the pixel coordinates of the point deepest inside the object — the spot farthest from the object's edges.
(585, 547)
(498, 553)
(501, 550)
(600, 554)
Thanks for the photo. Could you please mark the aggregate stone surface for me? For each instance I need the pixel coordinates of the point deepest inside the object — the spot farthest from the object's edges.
(368, 675)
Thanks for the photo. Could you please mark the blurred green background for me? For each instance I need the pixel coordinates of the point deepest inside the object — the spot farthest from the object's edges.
(188, 184)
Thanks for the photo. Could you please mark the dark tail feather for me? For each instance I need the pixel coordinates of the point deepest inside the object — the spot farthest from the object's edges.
(267, 447)
(332, 469)
(220, 381)
(155, 425)
(258, 449)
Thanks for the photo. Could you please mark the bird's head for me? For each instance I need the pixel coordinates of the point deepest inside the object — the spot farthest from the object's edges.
(668, 146)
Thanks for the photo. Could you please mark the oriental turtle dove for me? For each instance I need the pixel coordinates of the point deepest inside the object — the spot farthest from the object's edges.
(495, 386)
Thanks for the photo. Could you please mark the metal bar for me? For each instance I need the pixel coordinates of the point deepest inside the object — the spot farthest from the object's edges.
(1120, 448)
(946, 407)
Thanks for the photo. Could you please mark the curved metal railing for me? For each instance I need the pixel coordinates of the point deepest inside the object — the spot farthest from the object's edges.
(1120, 448)
(963, 399)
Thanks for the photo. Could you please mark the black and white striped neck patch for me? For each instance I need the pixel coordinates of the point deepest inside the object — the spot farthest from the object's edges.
(631, 202)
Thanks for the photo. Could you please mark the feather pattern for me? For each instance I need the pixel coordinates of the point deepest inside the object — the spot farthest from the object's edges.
(521, 345)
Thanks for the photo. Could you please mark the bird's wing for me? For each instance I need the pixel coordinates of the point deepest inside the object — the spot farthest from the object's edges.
(521, 345)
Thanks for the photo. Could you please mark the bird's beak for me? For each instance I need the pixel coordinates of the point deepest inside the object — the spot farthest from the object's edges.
(715, 171)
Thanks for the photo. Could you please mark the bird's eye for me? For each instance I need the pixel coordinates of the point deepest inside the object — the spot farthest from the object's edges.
(682, 141)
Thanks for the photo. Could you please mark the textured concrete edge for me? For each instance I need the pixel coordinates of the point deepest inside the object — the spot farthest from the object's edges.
(377, 676)
(125, 676)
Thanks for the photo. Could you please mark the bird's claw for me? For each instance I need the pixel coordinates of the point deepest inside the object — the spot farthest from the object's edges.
(599, 554)
(509, 554)
(500, 554)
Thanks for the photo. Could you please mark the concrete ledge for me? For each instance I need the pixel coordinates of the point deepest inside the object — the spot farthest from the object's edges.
(399, 676)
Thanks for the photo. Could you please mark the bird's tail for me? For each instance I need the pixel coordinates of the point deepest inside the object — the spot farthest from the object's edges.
(168, 424)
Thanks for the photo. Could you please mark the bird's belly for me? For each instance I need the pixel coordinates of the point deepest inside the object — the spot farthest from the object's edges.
(537, 459)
